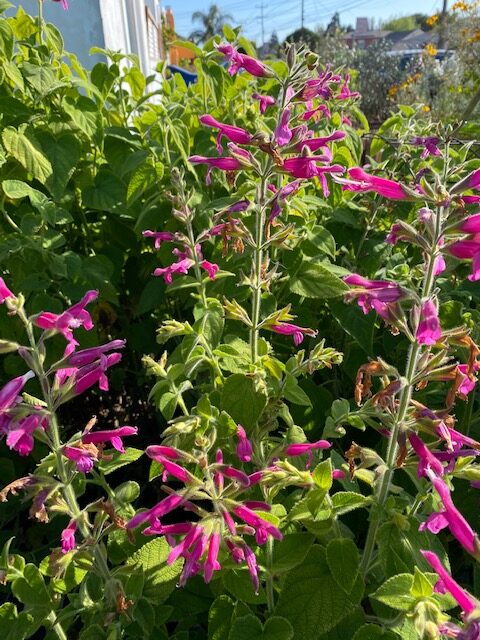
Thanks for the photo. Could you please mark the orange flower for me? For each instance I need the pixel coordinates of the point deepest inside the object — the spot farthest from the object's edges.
(432, 20)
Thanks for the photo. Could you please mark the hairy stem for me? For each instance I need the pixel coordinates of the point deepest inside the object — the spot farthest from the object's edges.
(257, 277)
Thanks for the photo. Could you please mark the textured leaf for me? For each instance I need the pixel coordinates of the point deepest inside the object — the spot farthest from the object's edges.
(291, 551)
(312, 600)
(160, 578)
(63, 154)
(119, 459)
(345, 501)
(241, 400)
(343, 560)
(250, 628)
(316, 280)
(395, 592)
(6, 39)
(373, 632)
(26, 150)
(220, 618)
(355, 323)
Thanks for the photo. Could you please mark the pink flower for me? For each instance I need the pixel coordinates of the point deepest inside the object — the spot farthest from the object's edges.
(159, 236)
(281, 196)
(182, 266)
(211, 563)
(166, 505)
(447, 583)
(210, 268)
(283, 134)
(252, 566)
(300, 448)
(20, 433)
(364, 182)
(68, 537)
(470, 224)
(224, 163)
(244, 446)
(368, 291)
(314, 144)
(345, 92)
(439, 265)
(241, 61)
(84, 458)
(255, 521)
(234, 134)
(306, 167)
(298, 333)
(72, 318)
(4, 291)
(9, 393)
(468, 250)
(451, 517)
(156, 451)
(114, 436)
(430, 145)
(428, 330)
(87, 356)
(427, 460)
(472, 181)
(338, 474)
(265, 101)
(87, 376)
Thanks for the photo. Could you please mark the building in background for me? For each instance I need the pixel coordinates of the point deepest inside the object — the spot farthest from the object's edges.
(131, 26)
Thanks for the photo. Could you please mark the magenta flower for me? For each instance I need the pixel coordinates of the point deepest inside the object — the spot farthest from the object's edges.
(338, 474)
(298, 333)
(283, 134)
(447, 583)
(427, 460)
(20, 433)
(300, 448)
(364, 182)
(252, 565)
(281, 196)
(166, 505)
(314, 144)
(265, 101)
(451, 517)
(155, 451)
(306, 167)
(159, 237)
(4, 291)
(9, 393)
(114, 436)
(428, 330)
(224, 163)
(472, 181)
(430, 145)
(211, 563)
(182, 266)
(234, 134)
(84, 458)
(68, 537)
(210, 268)
(255, 521)
(242, 61)
(368, 292)
(470, 224)
(244, 446)
(345, 92)
(72, 318)
(87, 356)
(468, 250)
(86, 377)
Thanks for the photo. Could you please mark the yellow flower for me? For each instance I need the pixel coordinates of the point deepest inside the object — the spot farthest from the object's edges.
(462, 6)
(431, 49)
(432, 20)
(425, 108)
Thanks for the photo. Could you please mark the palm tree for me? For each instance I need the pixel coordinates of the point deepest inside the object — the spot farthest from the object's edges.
(212, 22)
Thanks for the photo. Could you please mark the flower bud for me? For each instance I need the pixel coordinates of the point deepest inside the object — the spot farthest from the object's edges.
(7, 347)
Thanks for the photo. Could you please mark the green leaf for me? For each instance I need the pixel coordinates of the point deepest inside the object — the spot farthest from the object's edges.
(395, 592)
(293, 392)
(14, 626)
(63, 154)
(160, 578)
(26, 150)
(316, 280)
(54, 38)
(373, 632)
(250, 628)
(291, 551)
(6, 39)
(322, 475)
(42, 78)
(127, 492)
(220, 618)
(141, 180)
(107, 193)
(241, 401)
(119, 459)
(84, 115)
(421, 586)
(239, 584)
(355, 323)
(345, 501)
(312, 600)
(31, 589)
(343, 560)
(319, 240)
(4, 5)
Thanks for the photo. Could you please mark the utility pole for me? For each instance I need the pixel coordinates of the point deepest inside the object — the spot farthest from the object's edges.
(442, 25)
(303, 11)
(261, 7)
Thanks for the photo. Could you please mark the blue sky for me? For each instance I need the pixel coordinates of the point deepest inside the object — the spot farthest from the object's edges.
(283, 16)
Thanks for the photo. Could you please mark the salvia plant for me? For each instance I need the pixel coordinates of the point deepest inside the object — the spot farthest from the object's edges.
(266, 531)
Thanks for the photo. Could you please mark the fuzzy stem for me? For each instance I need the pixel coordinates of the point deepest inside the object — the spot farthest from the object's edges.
(40, 21)
(196, 266)
(257, 270)
(269, 578)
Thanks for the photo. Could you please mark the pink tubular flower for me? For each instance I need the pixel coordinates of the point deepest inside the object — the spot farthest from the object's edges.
(283, 134)
(224, 163)
(9, 393)
(300, 448)
(470, 224)
(298, 333)
(368, 291)
(317, 143)
(252, 567)
(430, 145)
(338, 474)
(234, 134)
(265, 101)
(84, 458)
(166, 505)
(68, 537)
(211, 563)
(364, 182)
(85, 377)
(210, 268)
(114, 436)
(241, 61)
(159, 237)
(87, 356)
(447, 583)
(472, 181)
(182, 266)
(4, 291)
(345, 92)
(244, 446)
(72, 318)
(428, 330)
(155, 452)
(468, 250)
(20, 433)
(427, 460)
(306, 167)
(451, 517)
(281, 196)
(255, 521)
